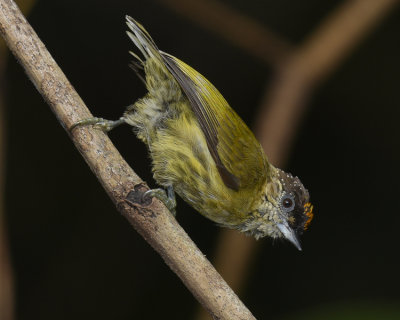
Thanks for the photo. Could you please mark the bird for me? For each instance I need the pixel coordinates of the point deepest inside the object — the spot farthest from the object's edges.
(203, 151)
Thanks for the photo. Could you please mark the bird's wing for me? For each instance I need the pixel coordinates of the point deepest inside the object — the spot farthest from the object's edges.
(238, 155)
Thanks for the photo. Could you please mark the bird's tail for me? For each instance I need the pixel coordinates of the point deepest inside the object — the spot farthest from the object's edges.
(143, 41)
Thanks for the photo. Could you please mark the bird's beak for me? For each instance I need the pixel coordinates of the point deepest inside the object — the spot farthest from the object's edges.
(289, 234)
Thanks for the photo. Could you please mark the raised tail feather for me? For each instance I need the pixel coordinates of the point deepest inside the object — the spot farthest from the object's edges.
(143, 41)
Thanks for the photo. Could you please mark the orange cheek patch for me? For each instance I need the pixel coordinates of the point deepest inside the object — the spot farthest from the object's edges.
(308, 209)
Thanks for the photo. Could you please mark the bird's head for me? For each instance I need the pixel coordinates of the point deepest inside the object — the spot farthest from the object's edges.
(284, 212)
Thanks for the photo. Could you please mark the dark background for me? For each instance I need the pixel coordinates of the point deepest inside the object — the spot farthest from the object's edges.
(75, 257)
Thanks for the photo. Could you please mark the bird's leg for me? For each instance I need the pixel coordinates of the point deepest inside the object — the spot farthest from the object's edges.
(99, 123)
(168, 198)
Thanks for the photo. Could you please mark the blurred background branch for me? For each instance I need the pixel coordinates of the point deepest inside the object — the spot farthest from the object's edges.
(6, 272)
(284, 103)
(235, 27)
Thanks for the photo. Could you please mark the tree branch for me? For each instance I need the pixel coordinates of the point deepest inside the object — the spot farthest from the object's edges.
(153, 221)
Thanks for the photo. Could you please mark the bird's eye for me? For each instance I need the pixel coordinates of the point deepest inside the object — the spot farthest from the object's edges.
(287, 202)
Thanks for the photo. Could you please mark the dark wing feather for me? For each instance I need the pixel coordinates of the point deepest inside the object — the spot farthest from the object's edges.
(237, 154)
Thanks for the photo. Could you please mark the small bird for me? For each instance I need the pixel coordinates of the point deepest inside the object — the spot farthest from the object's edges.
(203, 151)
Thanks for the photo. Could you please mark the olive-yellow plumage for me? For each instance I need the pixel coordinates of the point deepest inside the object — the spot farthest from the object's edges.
(202, 150)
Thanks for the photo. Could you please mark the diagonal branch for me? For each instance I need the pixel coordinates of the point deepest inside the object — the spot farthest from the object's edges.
(152, 221)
